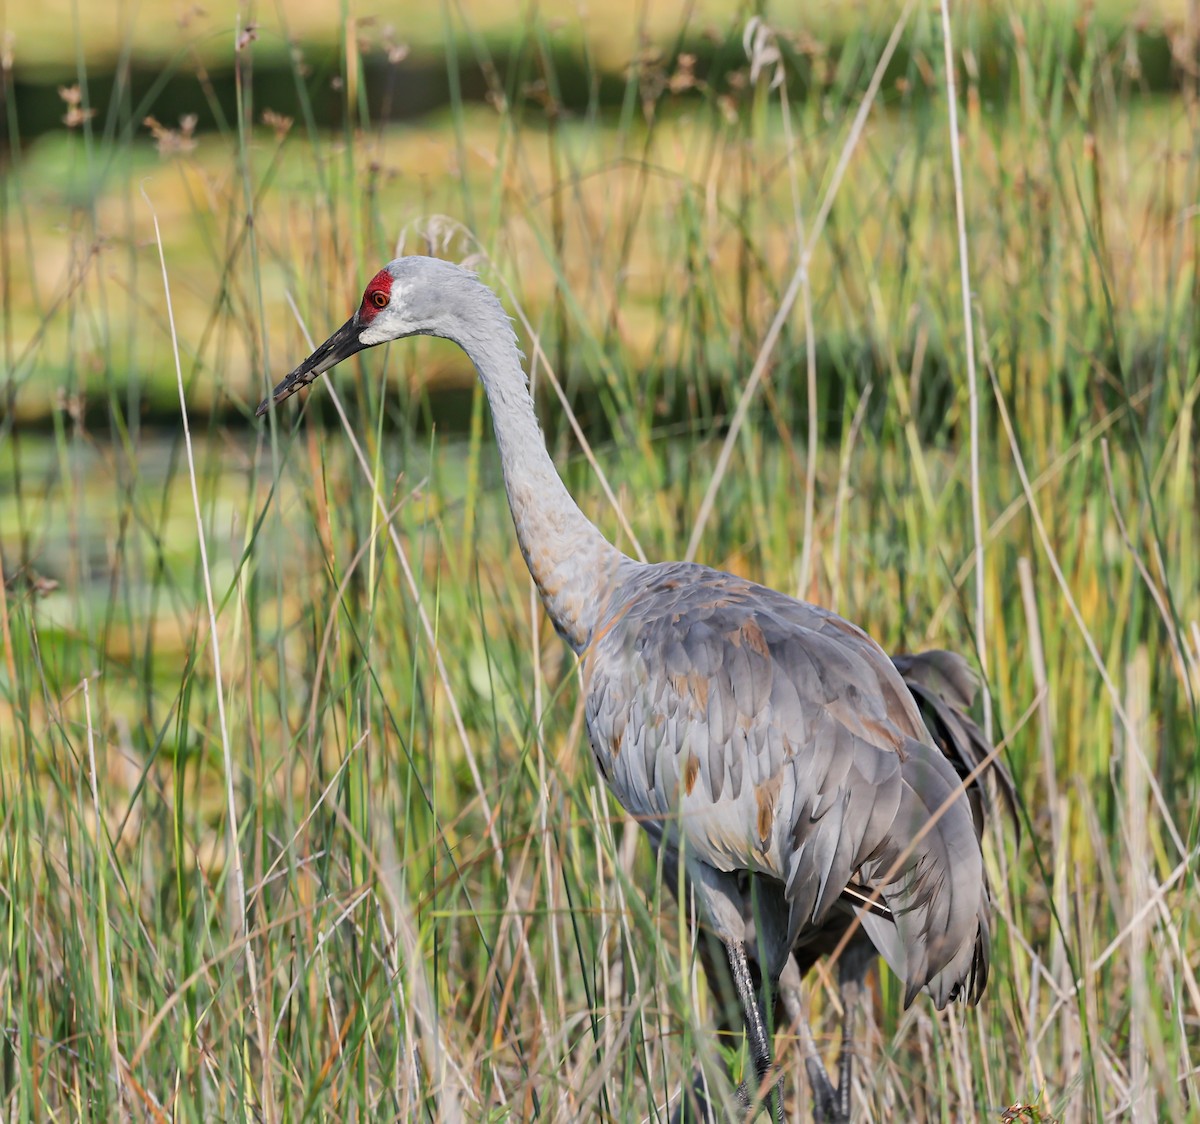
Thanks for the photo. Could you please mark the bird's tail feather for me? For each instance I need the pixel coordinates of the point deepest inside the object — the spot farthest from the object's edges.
(934, 884)
(949, 942)
(944, 687)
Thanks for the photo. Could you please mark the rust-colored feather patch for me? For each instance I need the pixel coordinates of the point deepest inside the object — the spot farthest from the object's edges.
(766, 795)
(753, 638)
(690, 772)
(885, 734)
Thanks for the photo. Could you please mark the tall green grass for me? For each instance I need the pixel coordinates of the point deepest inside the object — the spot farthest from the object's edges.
(441, 913)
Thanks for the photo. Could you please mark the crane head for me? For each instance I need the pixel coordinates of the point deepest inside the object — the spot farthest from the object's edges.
(408, 297)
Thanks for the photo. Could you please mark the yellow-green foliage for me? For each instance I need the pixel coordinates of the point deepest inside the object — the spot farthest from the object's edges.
(446, 916)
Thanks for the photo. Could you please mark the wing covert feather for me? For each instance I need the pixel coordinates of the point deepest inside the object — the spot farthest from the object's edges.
(768, 735)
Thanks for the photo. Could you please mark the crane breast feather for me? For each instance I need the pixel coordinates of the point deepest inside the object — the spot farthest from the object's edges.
(719, 686)
(774, 736)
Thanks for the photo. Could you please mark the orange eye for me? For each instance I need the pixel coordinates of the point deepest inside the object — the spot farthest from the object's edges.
(379, 299)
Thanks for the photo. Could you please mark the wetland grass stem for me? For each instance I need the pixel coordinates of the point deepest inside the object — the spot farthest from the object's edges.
(238, 911)
(444, 911)
(767, 347)
(964, 274)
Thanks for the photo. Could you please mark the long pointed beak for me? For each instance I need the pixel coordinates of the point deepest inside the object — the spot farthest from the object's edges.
(341, 345)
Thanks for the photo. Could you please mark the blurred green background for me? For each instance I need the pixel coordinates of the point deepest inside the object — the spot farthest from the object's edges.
(431, 908)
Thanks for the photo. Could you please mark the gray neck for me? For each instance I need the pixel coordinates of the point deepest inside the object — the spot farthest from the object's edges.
(572, 563)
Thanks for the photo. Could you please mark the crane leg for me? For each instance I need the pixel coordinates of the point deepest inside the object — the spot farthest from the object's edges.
(756, 1030)
(831, 1103)
(851, 988)
(852, 970)
(697, 1103)
(826, 1101)
(727, 912)
(825, 1095)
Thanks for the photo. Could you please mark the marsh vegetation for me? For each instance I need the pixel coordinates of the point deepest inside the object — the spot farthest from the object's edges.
(369, 871)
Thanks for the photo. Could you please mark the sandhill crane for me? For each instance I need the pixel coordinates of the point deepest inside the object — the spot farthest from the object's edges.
(944, 687)
(770, 749)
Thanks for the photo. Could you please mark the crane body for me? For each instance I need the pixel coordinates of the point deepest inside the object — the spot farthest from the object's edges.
(761, 734)
(770, 748)
(944, 689)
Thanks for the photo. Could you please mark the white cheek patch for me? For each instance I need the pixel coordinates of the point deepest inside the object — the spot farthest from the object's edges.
(380, 329)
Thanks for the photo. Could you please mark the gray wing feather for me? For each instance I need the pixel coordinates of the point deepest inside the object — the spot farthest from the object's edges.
(944, 687)
(935, 899)
(771, 736)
